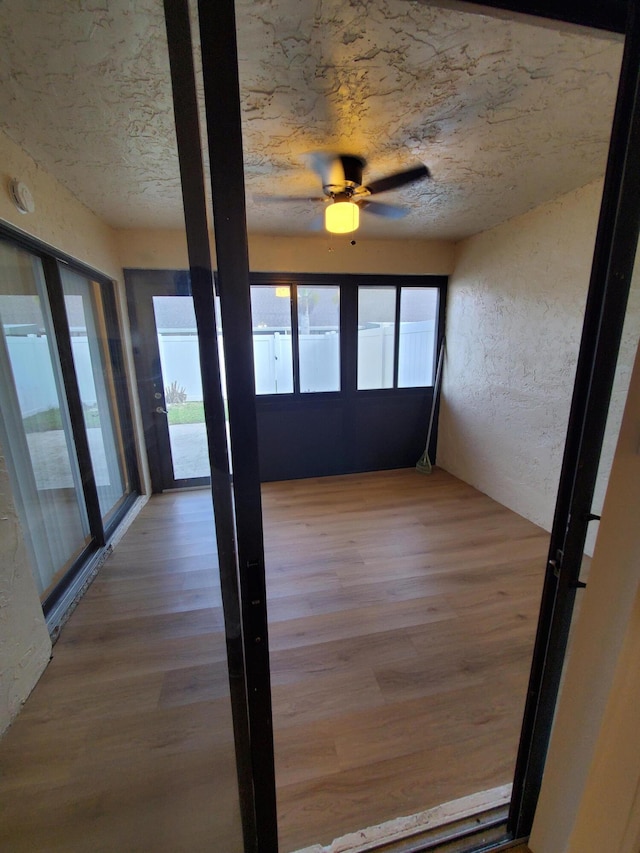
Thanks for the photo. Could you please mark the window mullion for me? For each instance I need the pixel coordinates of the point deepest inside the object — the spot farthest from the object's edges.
(72, 391)
(115, 356)
(295, 340)
(396, 340)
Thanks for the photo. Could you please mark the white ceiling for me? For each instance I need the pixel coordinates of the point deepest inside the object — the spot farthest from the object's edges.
(506, 115)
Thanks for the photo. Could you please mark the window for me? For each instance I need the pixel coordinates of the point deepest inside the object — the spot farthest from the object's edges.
(296, 338)
(376, 336)
(319, 338)
(272, 336)
(418, 312)
(396, 336)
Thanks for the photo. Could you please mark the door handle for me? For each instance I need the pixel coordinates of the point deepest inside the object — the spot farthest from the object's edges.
(161, 411)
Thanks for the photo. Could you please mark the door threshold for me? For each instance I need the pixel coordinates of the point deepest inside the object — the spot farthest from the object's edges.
(478, 819)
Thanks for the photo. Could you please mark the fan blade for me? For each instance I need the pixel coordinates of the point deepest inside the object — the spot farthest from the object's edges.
(399, 179)
(389, 211)
(289, 198)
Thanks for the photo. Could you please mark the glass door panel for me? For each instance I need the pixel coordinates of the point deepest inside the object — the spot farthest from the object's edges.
(182, 385)
(95, 383)
(35, 420)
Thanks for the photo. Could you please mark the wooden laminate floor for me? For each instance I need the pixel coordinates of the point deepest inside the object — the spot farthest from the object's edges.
(402, 611)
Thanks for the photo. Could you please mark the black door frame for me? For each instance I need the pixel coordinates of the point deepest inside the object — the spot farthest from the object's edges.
(604, 316)
(141, 287)
(611, 273)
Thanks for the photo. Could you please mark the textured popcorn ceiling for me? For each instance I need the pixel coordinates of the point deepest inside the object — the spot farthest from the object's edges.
(506, 115)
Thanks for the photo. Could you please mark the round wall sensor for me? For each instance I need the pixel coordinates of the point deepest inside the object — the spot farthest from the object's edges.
(22, 197)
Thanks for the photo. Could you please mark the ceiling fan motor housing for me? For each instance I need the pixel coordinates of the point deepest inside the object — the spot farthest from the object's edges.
(345, 175)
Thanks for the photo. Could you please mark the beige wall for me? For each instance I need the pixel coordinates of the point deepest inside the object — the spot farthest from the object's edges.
(514, 320)
(143, 249)
(59, 219)
(590, 797)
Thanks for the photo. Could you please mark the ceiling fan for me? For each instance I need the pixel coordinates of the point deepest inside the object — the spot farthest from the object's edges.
(346, 195)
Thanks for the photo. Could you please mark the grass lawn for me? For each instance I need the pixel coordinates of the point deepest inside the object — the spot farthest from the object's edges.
(179, 413)
(186, 413)
(51, 420)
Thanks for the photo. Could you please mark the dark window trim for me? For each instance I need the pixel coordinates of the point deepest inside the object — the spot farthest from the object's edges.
(350, 279)
(72, 391)
(348, 285)
(611, 272)
(115, 353)
(99, 530)
(42, 250)
(295, 343)
(74, 570)
(396, 342)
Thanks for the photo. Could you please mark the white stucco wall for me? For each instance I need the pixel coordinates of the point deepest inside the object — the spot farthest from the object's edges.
(514, 320)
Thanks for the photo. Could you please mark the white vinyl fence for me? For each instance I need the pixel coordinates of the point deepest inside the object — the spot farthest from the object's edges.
(415, 356)
(272, 353)
(33, 376)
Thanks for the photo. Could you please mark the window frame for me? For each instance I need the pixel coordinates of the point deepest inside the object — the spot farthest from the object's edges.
(348, 288)
(57, 600)
(397, 332)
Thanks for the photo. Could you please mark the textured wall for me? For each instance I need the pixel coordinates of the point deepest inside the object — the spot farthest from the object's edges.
(25, 646)
(516, 302)
(506, 114)
(155, 249)
(59, 219)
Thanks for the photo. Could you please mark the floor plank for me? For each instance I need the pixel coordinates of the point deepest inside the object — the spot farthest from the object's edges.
(402, 611)
(431, 594)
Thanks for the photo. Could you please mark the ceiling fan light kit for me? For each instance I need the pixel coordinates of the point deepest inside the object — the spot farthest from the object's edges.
(341, 177)
(342, 217)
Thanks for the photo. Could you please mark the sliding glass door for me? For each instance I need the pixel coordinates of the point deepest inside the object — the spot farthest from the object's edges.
(95, 384)
(38, 437)
(62, 414)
